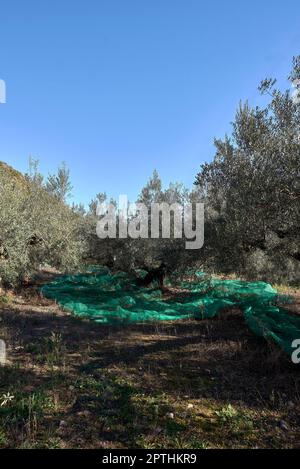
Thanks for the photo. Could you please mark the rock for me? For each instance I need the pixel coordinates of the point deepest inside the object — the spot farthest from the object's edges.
(84, 413)
(283, 425)
(62, 429)
(190, 406)
(170, 415)
(157, 430)
(19, 347)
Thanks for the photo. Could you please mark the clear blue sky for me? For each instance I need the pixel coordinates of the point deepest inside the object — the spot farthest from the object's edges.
(117, 88)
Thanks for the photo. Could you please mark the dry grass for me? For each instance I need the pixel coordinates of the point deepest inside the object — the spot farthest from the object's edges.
(188, 384)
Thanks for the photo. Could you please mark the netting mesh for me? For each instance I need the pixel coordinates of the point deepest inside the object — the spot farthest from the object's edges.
(115, 298)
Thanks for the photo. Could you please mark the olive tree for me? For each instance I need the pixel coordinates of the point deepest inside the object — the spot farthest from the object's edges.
(36, 228)
(252, 187)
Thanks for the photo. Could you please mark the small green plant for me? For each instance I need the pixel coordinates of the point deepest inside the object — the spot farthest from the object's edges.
(193, 443)
(4, 299)
(3, 438)
(238, 422)
(52, 443)
(54, 349)
(226, 414)
(6, 399)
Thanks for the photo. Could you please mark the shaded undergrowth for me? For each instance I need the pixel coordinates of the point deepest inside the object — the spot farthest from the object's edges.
(189, 384)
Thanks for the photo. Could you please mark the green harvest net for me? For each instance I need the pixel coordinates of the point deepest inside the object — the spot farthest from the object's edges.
(115, 298)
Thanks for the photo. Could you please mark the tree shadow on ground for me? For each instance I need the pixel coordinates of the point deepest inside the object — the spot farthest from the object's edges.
(222, 353)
